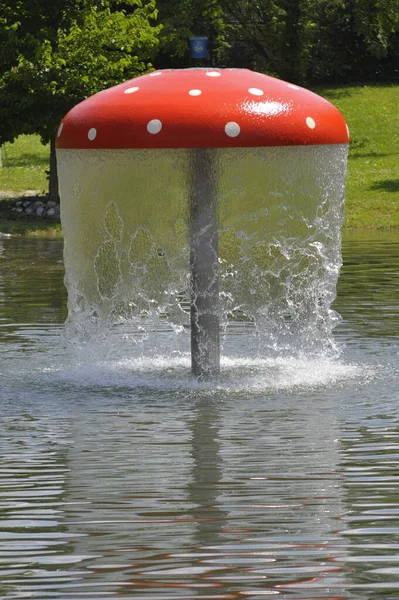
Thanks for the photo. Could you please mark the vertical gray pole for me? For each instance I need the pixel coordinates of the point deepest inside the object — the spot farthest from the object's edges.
(205, 348)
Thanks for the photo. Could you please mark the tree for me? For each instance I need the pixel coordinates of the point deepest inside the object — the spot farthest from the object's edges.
(256, 34)
(275, 36)
(299, 38)
(375, 21)
(354, 40)
(57, 54)
(182, 19)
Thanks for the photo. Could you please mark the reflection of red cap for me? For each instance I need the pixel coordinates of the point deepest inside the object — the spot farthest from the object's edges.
(202, 108)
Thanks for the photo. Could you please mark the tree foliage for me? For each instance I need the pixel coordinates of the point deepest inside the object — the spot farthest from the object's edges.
(300, 40)
(355, 41)
(183, 19)
(308, 40)
(374, 22)
(56, 54)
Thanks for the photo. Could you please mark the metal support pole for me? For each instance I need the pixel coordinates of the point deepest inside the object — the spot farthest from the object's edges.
(205, 344)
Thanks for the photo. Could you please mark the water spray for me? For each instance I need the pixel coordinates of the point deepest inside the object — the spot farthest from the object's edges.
(170, 143)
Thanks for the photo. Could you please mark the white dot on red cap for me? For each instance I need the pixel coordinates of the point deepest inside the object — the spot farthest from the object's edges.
(232, 129)
(60, 129)
(154, 126)
(155, 73)
(293, 86)
(195, 92)
(256, 91)
(92, 133)
(131, 90)
(311, 123)
(213, 73)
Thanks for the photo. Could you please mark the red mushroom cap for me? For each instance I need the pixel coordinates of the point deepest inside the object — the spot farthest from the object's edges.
(202, 108)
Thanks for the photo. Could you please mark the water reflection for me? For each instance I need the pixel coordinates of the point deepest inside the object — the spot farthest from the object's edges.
(207, 472)
(113, 487)
(368, 287)
(282, 492)
(32, 294)
(210, 500)
(369, 459)
(33, 539)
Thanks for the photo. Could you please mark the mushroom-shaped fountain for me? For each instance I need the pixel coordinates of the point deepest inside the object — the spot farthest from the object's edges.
(209, 191)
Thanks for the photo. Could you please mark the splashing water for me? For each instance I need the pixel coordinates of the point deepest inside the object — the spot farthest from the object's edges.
(126, 222)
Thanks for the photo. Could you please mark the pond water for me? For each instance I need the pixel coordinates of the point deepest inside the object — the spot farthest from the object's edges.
(121, 476)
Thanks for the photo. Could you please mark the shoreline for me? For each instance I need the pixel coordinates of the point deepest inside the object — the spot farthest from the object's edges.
(29, 214)
(14, 220)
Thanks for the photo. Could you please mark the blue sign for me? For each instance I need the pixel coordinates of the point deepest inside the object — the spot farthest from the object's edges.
(199, 47)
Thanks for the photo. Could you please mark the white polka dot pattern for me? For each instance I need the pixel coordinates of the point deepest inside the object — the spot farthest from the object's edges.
(196, 107)
(256, 91)
(154, 126)
(92, 134)
(232, 129)
(310, 122)
(131, 90)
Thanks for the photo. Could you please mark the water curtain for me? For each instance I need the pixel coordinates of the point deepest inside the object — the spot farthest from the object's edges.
(201, 198)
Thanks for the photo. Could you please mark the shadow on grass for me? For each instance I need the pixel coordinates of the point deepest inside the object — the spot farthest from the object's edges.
(356, 154)
(25, 159)
(359, 149)
(336, 94)
(386, 185)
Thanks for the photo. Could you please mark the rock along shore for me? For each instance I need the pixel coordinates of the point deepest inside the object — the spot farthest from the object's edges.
(38, 208)
(32, 203)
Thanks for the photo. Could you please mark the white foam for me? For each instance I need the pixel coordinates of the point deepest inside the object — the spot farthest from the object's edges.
(237, 374)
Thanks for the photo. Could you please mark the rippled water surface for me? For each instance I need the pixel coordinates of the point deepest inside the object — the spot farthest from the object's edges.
(120, 475)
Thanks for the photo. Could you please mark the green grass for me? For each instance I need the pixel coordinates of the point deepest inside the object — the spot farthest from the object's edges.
(24, 165)
(372, 199)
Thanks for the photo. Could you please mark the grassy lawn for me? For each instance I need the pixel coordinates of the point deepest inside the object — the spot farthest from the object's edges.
(24, 165)
(372, 199)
